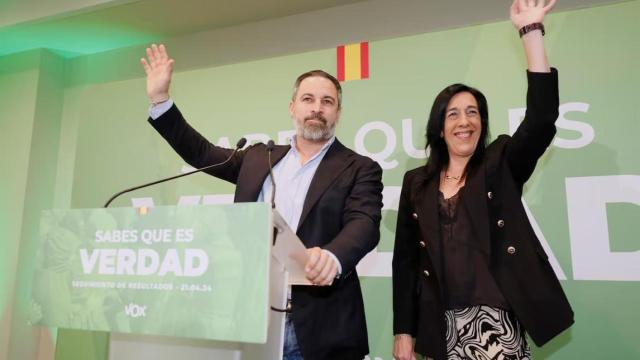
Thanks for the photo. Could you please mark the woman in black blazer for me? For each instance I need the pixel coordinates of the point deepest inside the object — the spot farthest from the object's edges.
(469, 275)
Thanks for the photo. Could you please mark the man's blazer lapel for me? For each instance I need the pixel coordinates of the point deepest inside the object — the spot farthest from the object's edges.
(252, 185)
(335, 161)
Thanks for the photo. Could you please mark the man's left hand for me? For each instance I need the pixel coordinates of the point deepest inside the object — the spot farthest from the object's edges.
(321, 269)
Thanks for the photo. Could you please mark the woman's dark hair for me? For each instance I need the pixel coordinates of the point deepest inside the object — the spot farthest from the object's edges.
(439, 155)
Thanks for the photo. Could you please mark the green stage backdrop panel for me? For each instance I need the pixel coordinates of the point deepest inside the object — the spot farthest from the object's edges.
(193, 272)
(583, 198)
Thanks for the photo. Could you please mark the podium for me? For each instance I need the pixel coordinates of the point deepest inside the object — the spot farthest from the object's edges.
(165, 280)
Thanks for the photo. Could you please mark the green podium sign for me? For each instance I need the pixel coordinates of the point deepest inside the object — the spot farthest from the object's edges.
(196, 271)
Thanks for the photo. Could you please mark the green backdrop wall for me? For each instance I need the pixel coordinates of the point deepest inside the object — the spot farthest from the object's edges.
(74, 131)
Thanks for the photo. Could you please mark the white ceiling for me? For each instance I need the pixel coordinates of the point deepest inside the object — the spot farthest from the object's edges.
(26, 24)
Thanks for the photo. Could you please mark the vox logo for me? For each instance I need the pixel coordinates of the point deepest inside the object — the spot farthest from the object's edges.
(135, 310)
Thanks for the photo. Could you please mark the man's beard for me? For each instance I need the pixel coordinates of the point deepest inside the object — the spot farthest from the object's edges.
(313, 131)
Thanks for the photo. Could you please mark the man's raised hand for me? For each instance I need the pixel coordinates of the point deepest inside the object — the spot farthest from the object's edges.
(158, 68)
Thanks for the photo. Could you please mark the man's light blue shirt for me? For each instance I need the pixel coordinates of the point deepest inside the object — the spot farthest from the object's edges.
(293, 179)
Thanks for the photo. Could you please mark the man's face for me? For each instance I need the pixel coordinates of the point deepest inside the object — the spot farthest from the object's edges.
(314, 109)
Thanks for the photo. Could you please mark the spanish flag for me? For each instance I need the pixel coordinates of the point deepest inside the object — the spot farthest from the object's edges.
(353, 61)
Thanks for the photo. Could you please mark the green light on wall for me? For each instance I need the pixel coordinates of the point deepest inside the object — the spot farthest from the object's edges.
(71, 38)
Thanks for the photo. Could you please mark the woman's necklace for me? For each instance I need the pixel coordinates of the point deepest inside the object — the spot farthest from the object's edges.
(451, 177)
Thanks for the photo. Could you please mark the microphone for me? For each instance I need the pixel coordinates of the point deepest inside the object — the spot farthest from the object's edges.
(239, 145)
(270, 145)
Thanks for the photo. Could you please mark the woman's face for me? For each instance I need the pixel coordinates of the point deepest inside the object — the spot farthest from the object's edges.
(462, 125)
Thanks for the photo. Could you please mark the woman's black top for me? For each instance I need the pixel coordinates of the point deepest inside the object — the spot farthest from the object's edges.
(465, 271)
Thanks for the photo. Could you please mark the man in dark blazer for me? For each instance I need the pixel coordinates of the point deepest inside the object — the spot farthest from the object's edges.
(329, 194)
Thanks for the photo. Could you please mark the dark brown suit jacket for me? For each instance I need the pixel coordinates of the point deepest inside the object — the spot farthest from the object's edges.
(341, 213)
(493, 194)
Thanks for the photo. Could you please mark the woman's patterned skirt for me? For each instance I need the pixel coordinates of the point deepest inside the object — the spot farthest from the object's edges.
(485, 333)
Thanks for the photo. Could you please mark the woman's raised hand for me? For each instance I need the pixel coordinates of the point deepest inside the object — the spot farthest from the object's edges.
(525, 12)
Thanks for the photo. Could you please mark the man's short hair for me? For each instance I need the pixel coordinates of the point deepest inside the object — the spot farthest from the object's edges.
(318, 73)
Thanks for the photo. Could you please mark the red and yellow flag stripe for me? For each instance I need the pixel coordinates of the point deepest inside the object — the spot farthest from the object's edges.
(353, 61)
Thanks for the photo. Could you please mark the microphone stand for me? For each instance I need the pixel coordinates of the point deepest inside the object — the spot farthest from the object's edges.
(239, 146)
